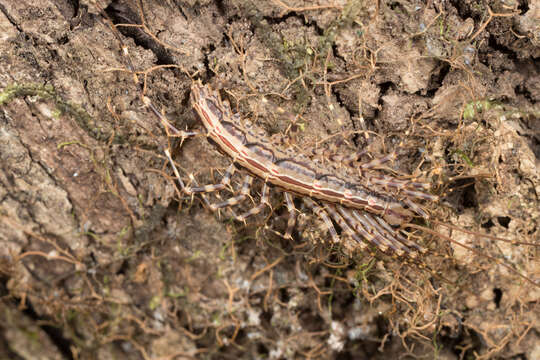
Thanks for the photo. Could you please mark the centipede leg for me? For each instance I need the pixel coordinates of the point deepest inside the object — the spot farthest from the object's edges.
(166, 124)
(292, 215)
(235, 200)
(388, 240)
(399, 237)
(319, 211)
(339, 158)
(359, 229)
(379, 226)
(385, 242)
(411, 188)
(378, 162)
(225, 181)
(392, 182)
(256, 210)
(181, 184)
(291, 222)
(416, 208)
(331, 209)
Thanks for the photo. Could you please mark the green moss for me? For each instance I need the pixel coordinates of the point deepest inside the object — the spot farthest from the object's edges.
(180, 294)
(362, 270)
(473, 108)
(464, 157)
(154, 302)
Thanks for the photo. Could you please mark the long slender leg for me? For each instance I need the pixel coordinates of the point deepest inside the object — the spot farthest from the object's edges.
(399, 237)
(359, 228)
(376, 234)
(394, 247)
(254, 211)
(389, 181)
(165, 122)
(292, 215)
(179, 179)
(244, 192)
(416, 208)
(319, 211)
(190, 190)
(420, 195)
(410, 188)
(392, 182)
(377, 162)
(391, 235)
(235, 200)
(291, 222)
(331, 209)
(175, 170)
(384, 240)
(225, 181)
(350, 159)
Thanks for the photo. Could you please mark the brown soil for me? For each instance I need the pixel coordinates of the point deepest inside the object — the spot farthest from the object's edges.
(102, 258)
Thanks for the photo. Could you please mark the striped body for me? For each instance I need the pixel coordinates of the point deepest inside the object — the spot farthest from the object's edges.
(380, 195)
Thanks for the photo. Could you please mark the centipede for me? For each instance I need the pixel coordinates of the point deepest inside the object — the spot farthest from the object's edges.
(369, 206)
(294, 175)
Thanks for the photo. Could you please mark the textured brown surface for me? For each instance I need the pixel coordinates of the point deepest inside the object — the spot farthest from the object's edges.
(100, 259)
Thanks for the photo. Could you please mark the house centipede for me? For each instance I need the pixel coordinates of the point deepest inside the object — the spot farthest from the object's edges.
(368, 212)
(373, 209)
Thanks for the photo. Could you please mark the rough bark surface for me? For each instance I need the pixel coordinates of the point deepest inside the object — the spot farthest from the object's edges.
(102, 258)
